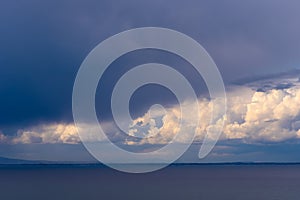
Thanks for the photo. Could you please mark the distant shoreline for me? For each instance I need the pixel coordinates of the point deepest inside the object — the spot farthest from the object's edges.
(100, 165)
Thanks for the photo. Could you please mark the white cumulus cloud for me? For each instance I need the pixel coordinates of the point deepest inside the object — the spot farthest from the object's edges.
(50, 133)
(270, 113)
(252, 115)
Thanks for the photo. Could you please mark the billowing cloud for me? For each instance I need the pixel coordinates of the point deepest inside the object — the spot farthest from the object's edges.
(270, 116)
(54, 133)
(253, 116)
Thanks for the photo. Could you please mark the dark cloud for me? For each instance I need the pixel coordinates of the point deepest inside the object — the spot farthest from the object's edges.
(44, 43)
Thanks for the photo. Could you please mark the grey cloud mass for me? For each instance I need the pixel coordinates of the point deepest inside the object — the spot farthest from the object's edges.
(44, 43)
(255, 44)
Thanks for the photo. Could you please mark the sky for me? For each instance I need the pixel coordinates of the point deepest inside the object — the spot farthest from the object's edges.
(255, 44)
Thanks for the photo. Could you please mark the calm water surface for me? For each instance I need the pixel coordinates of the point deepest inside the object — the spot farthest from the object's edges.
(175, 182)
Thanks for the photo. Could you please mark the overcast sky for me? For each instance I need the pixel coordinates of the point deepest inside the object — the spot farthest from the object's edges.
(255, 44)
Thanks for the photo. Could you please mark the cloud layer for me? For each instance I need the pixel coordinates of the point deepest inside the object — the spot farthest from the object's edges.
(253, 115)
(54, 133)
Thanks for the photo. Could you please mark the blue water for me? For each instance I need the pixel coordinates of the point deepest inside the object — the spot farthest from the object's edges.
(174, 182)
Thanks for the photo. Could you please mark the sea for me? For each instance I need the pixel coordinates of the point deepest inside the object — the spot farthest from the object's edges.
(175, 182)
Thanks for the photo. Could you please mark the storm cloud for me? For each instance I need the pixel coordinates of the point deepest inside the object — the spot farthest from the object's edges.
(44, 43)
